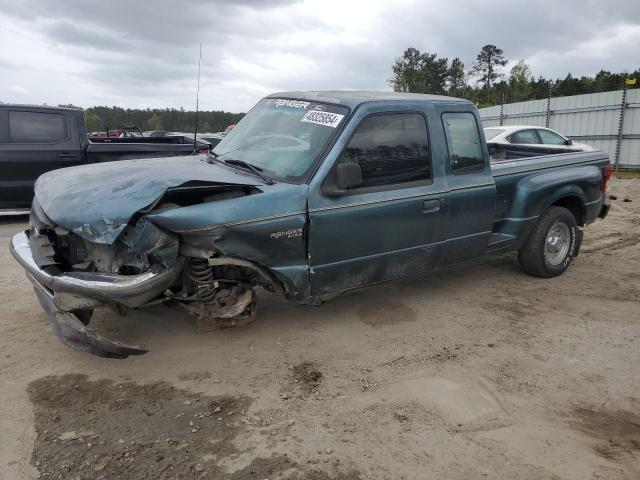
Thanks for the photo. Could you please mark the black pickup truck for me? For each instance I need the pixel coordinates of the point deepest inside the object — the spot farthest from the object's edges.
(36, 139)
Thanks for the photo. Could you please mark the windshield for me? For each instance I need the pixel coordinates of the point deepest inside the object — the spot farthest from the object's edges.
(490, 133)
(282, 137)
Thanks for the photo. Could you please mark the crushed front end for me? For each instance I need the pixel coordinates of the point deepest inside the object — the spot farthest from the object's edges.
(184, 231)
(72, 276)
(144, 265)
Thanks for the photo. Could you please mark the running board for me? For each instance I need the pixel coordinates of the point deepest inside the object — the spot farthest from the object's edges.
(499, 241)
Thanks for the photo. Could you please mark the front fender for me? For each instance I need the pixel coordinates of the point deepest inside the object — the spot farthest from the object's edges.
(278, 245)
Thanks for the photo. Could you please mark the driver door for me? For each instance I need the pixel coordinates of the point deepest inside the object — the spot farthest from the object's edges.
(391, 225)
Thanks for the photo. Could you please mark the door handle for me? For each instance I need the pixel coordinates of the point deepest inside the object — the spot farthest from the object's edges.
(429, 206)
(68, 155)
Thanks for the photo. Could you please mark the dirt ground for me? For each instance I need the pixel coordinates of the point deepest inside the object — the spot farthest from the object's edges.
(478, 372)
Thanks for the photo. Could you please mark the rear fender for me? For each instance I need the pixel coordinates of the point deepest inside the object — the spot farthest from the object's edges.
(538, 191)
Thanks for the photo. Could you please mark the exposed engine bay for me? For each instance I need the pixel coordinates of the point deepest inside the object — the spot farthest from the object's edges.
(142, 267)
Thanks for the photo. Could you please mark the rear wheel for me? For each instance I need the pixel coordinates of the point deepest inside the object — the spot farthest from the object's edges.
(551, 245)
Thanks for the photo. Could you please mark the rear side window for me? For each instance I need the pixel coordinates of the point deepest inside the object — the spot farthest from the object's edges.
(463, 142)
(491, 133)
(551, 138)
(524, 137)
(390, 149)
(36, 127)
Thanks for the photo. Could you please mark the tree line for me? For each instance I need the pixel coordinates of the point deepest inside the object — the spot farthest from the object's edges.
(486, 83)
(169, 119)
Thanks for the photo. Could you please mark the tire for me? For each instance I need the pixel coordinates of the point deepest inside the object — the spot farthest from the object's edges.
(551, 245)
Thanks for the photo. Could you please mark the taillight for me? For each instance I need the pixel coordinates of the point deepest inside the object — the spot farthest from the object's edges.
(607, 177)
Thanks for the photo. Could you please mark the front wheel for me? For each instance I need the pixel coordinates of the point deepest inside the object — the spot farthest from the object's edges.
(551, 245)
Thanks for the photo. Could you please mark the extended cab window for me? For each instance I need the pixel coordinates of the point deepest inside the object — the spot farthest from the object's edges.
(463, 142)
(390, 149)
(36, 127)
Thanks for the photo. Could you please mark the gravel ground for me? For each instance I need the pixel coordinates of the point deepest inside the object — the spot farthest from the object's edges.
(477, 372)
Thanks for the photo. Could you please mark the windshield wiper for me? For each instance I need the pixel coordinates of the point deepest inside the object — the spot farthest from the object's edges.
(211, 157)
(252, 168)
(214, 157)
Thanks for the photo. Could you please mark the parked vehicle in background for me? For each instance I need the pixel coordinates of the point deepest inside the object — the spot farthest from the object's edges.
(216, 138)
(155, 133)
(201, 142)
(533, 135)
(126, 131)
(34, 140)
(96, 136)
(212, 138)
(312, 194)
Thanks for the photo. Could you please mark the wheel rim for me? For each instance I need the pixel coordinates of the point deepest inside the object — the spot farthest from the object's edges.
(556, 245)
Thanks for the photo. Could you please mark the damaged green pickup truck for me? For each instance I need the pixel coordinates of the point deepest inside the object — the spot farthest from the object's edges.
(312, 194)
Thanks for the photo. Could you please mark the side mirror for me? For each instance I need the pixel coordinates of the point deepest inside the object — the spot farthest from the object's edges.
(568, 142)
(348, 175)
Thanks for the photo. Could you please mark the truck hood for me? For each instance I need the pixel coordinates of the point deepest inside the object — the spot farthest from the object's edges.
(97, 201)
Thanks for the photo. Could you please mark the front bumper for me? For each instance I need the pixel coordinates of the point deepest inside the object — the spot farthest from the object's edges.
(73, 333)
(59, 294)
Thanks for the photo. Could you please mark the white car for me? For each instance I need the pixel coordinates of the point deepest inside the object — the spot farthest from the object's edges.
(532, 135)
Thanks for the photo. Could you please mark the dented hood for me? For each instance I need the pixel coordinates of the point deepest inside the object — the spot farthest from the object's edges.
(97, 201)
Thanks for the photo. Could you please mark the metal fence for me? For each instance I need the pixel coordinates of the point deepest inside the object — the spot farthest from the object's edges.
(608, 121)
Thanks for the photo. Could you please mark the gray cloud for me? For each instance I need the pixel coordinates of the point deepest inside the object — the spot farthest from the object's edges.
(145, 54)
(69, 33)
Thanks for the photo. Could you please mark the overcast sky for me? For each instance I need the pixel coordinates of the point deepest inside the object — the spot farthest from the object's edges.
(144, 54)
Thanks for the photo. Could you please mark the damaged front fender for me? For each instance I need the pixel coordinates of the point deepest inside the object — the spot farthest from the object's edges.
(97, 201)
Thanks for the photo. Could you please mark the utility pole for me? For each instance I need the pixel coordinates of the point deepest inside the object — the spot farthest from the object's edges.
(547, 117)
(195, 134)
(623, 107)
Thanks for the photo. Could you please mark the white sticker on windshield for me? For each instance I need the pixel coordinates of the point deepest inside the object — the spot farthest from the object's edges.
(327, 119)
(290, 103)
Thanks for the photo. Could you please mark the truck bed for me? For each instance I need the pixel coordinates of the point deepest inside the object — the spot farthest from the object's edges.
(511, 216)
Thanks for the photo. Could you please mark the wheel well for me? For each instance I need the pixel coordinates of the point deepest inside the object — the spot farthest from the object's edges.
(266, 275)
(574, 205)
